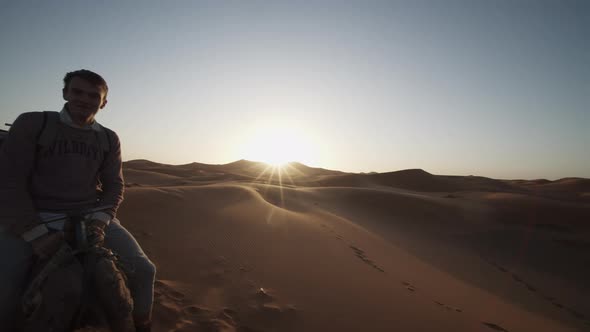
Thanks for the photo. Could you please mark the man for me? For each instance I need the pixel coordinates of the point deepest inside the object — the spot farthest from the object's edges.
(77, 166)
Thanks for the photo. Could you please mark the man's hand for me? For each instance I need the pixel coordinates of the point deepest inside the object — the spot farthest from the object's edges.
(95, 232)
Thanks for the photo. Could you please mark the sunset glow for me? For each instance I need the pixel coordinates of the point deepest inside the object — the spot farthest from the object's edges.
(277, 145)
(458, 88)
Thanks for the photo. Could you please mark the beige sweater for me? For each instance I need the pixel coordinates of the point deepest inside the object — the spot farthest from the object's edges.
(71, 173)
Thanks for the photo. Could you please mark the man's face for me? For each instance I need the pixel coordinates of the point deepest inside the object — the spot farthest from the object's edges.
(84, 99)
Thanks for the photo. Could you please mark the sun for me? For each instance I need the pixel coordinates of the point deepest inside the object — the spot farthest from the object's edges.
(277, 163)
(277, 145)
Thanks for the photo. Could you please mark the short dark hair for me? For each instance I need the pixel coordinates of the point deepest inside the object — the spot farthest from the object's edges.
(89, 76)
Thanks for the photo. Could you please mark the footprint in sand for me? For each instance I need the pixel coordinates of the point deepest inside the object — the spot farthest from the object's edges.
(551, 299)
(448, 307)
(573, 312)
(576, 314)
(332, 231)
(216, 325)
(496, 265)
(263, 295)
(530, 287)
(267, 308)
(559, 305)
(361, 255)
(172, 312)
(494, 326)
(194, 310)
(533, 289)
(514, 276)
(409, 286)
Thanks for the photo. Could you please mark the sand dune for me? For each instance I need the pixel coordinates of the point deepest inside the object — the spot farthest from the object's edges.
(419, 180)
(576, 189)
(330, 251)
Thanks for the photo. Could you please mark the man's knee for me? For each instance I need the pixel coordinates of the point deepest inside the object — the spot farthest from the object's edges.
(144, 269)
(148, 268)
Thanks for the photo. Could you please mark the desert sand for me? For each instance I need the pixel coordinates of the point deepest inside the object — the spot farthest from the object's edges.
(244, 247)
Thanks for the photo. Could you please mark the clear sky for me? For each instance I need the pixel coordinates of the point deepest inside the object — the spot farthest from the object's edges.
(498, 88)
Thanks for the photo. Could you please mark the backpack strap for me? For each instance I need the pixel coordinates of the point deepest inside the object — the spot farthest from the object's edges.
(104, 139)
(45, 136)
(48, 132)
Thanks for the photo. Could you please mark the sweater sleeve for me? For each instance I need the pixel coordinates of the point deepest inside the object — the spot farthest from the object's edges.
(111, 177)
(17, 158)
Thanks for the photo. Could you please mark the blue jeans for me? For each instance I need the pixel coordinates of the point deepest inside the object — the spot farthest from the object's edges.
(16, 258)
